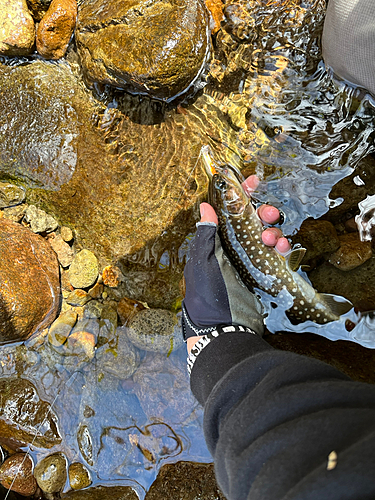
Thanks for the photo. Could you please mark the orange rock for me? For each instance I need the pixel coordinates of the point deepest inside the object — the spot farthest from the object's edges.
(112, 276)
(215, 7)
(16, 474)
(29, 282)
(127, 309)
(56, 28)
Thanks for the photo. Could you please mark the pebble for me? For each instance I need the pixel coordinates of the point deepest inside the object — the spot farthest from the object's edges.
(107, 324)
(17, 32)
(120, 361)
(84, 269)
(96, 291)
(93, 310)
(79, 476)
(66, 234)
(56, 28)
(112, 276)
(78, 297)
(352, 253)
(16, 473)
(10, 195)
(127, 309)
(40, 221)
(61, 328)
(156, 330)
(50, 473)
(63, 251)
(15, 214)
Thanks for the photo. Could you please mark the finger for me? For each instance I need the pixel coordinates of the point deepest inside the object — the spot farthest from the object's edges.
(250, 184)
(208, 214)
(269, 214)
(271, 236)
(283, 246)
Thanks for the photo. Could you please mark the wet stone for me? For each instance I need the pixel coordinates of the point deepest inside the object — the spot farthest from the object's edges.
(112, 276)
(66, 234)
(96, 291)
(79, 476)
(56, 28)
(39, 220)
(127, 309)
(78, 297)
(14, 214)
(84, 441)
(24, 417)
(50, 473)
(120, 360)
(107, 324)
(10, 195)
(17, 30)
(352, 252)
(16, 473)
(38, 8)
(104, 34)
(103, 493)
(63, 251)
(156, 330)
(29, 291)
(318, 237)
(61, 328)
(84, 269)
(192, 481)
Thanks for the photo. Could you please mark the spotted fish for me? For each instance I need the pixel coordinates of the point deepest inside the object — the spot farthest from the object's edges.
(260, 266)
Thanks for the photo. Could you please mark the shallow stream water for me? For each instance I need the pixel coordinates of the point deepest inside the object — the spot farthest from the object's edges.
(270, 107)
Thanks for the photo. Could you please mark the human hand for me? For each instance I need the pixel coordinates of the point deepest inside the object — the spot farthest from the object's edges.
(209, 279)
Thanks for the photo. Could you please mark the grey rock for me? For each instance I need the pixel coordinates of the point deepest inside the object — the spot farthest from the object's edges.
(10, 195)
(156, 330)
(84, 269)
(39, 220)
(50, 473)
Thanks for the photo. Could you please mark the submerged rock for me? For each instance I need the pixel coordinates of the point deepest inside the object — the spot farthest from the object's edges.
(29, 282)
(192, 481)
(164, 68)
(39, 221)
(156, 330)
(10, 195)
(50, 473)
(79, 476)
(84, 269)
(120, 361)
(17, 30)
(56, 28)
(24, 417)
(63, 251)
(16, 473)
(352, 252)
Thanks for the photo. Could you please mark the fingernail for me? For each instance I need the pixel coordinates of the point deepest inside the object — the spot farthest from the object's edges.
(201, 209)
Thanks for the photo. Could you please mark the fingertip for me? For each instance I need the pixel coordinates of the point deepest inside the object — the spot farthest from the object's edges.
(269, 214)
(283, 245)
(270, 236)
(250, 184)
(208, 214)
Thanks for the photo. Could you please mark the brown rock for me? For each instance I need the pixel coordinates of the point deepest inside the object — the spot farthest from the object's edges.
(79, 476)
(103, 493)
(56, 28)
(16, 474)
(96, 291)
(192, 481)
(17, 30)
(318, 237)
(29, 282)
(63, 251)
(112, 276)
(352, 253)
(127, 309)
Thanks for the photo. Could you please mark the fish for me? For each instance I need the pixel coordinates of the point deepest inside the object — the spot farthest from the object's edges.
(260, 266)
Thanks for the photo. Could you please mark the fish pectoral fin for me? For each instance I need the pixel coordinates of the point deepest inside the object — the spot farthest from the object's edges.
(295, 257)
(338, 305)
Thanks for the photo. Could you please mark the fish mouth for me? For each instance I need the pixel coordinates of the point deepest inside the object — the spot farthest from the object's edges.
(208, 161)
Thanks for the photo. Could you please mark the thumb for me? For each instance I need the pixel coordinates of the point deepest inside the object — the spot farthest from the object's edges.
(208, 213)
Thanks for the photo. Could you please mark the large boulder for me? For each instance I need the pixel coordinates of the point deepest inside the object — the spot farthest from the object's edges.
(17, 30)
(29, 282)
(153, 47)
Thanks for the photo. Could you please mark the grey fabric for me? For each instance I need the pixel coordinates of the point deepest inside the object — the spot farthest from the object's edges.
(349, 41)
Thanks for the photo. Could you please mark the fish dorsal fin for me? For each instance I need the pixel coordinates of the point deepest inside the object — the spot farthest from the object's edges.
(338, 305)
(294, 258)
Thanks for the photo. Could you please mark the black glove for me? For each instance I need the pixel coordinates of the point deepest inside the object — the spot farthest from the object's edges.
(215, 295)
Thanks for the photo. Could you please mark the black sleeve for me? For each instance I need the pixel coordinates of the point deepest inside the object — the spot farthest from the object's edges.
(272, 419)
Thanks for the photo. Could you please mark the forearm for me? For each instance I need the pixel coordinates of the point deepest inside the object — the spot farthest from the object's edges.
(272, 418)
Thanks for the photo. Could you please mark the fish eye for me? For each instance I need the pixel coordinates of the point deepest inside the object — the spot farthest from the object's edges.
(221, 184)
